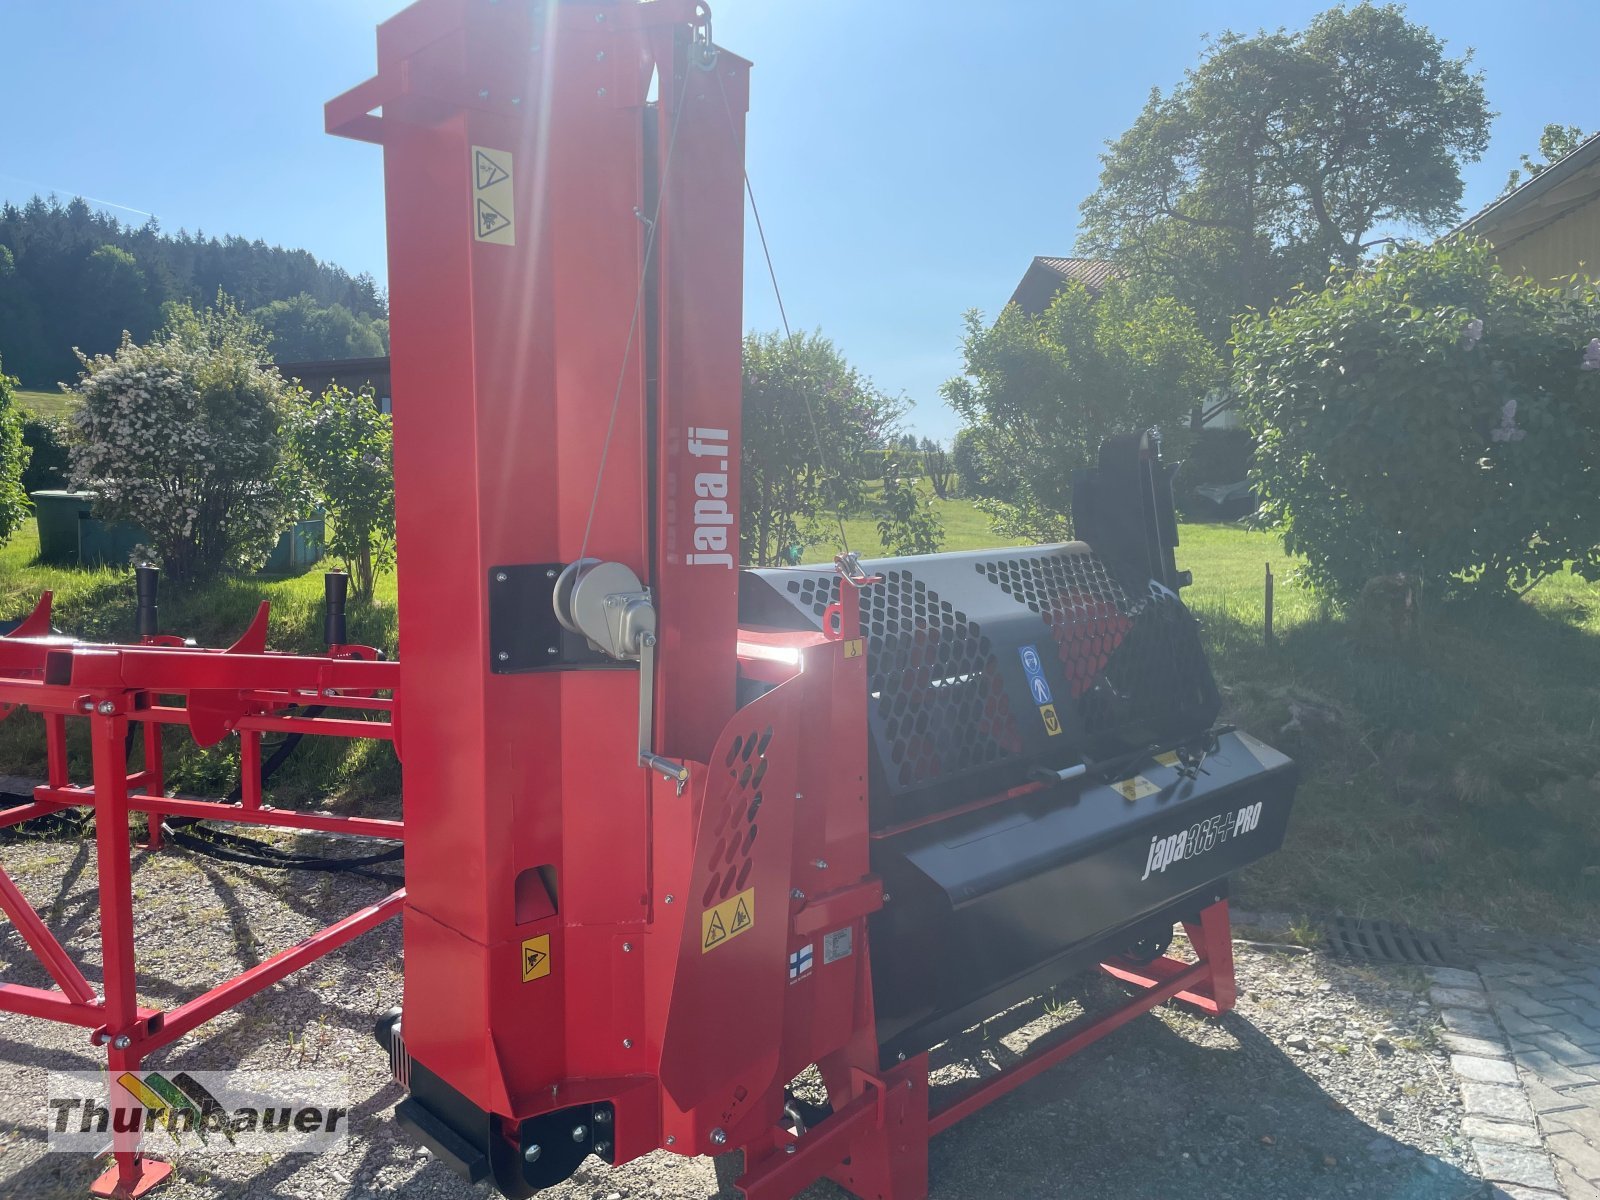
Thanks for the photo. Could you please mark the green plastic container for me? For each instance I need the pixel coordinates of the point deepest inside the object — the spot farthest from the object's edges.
(108, 543)
(58, 514)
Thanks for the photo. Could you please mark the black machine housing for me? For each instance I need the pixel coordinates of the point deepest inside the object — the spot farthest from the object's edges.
(1075, 667)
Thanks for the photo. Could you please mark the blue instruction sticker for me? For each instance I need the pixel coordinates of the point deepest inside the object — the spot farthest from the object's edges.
(1037, 683)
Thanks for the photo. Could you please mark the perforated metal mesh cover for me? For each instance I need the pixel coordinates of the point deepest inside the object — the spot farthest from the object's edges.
(950, 699)
(1127, 659)
(937, 698)
(1086, 609)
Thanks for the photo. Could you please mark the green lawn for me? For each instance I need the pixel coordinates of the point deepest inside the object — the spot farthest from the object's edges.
(1450, 777)
(965, 528)
(46, 404)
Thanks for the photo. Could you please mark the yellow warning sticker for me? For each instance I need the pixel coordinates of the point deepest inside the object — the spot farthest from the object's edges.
(493, 217)
(1169, 759)
(1052, 723)
(852, 648)
(727, 920)
(1136, 788)
(535, 958)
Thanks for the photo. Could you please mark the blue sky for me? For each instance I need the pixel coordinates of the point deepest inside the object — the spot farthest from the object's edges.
(909, 157)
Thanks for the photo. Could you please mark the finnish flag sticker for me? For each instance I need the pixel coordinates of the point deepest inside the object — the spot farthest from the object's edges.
(800, 962)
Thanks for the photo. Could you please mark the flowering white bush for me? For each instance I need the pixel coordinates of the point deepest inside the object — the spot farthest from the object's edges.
(181, 436)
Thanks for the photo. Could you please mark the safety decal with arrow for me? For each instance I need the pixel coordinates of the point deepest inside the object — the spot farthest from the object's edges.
(493, 215)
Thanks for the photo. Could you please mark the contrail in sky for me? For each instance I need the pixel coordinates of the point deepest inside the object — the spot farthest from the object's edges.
(33, 183)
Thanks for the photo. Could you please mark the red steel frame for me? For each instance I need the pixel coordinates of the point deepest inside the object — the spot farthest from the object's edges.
(243, 692)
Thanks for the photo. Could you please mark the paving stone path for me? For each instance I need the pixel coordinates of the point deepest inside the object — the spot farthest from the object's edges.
(1524, 1039)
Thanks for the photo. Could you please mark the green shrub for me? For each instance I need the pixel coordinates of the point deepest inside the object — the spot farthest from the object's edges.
(49, 458)
(14, 505)
(808, 416)
(1429, 415)
(907, 522)
(344, 449)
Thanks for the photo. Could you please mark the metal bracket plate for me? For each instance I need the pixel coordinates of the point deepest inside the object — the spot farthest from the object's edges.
(524, 634)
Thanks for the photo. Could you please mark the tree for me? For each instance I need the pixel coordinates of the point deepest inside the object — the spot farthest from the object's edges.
(1429, 416)
(808, 414)
(344, 448)
(115, 299)
(302, 330)
(1282, 153)
(938, 468)
(14, 505)
(1555, 143)
(907, 523)
(181, 436)
(1042, 392)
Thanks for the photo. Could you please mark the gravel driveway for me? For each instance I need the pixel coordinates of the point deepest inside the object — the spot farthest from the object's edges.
(1326, 1082)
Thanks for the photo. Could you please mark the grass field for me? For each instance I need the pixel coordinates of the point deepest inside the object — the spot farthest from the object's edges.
(965, 528)
(45, 404)
(1452, 776)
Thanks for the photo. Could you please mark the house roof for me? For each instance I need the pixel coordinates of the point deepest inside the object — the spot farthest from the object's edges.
(335, 366)
(1570, 181)
(1046, 276)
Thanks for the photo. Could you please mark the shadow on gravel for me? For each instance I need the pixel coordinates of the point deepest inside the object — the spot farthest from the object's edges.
(1148, 1114)
(1152, 1114)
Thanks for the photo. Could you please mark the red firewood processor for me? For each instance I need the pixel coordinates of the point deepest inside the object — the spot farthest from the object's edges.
(675, 832)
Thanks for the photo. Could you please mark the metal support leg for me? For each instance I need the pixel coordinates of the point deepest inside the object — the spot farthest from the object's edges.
(133, 1174)
(155, 781)
(1214, 992)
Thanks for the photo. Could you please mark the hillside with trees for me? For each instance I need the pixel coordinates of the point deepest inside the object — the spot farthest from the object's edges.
(71, 277)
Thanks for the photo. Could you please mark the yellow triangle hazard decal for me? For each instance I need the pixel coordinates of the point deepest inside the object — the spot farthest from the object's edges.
(723, 922)
(535, 958)
(714, 931)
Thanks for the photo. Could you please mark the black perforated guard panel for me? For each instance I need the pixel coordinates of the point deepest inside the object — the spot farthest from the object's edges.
(953, 713)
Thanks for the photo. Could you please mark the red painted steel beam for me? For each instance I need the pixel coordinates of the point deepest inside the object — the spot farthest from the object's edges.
(215, 810)
(1014, 1077)
(26, 812)
(380, 731)
(50, 953)
(162, 669)
(51, 1006)
(345, 727)
(224, 996)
